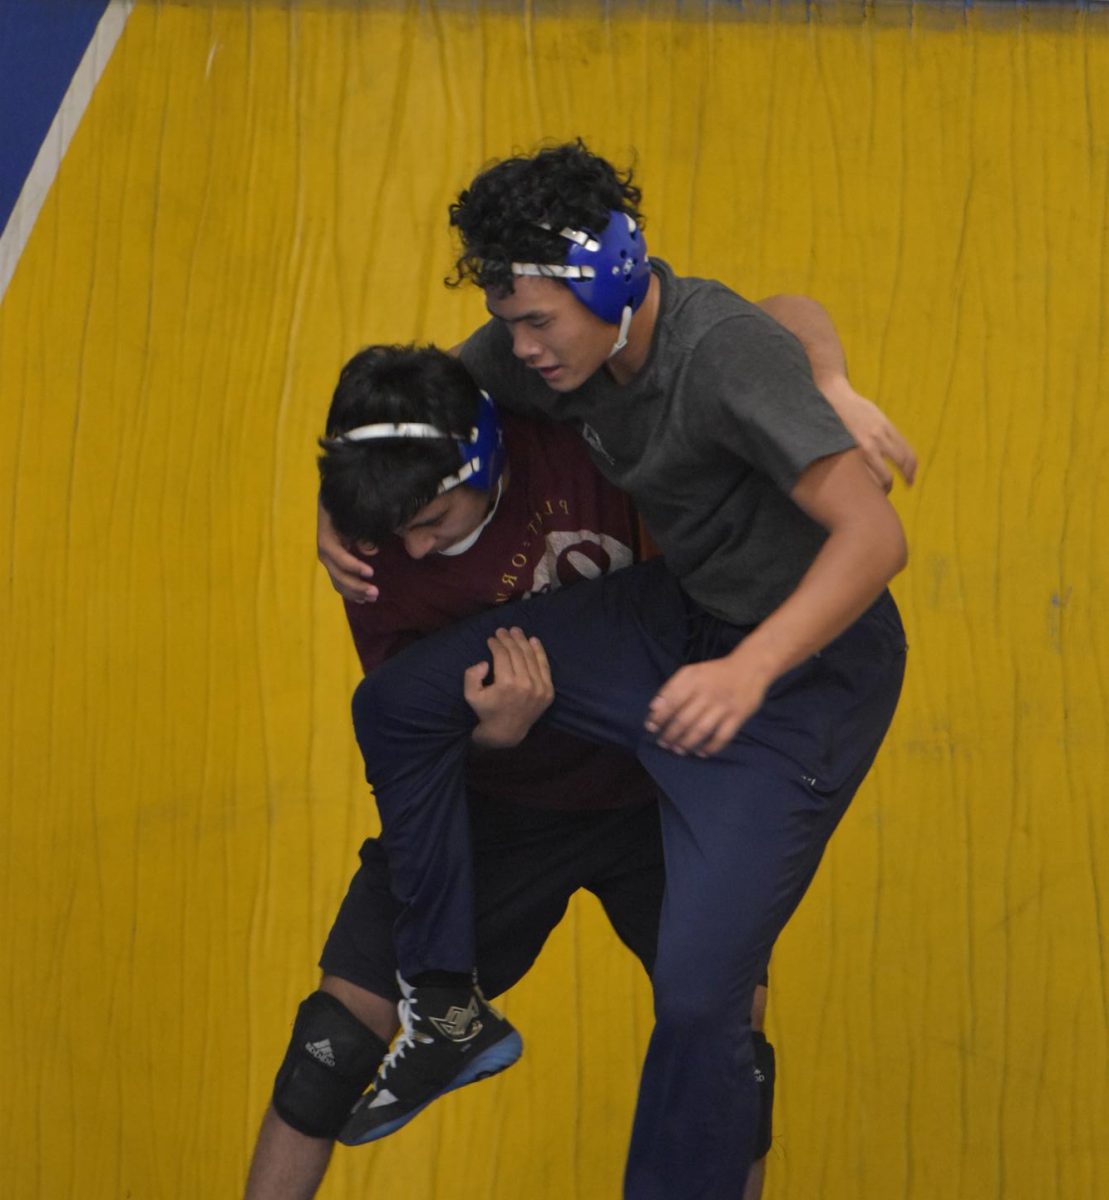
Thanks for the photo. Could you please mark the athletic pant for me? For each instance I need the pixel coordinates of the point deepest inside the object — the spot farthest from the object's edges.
(743, 831)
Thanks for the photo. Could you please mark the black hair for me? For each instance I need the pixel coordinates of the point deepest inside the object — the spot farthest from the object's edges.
(372, 488)
(501, 215)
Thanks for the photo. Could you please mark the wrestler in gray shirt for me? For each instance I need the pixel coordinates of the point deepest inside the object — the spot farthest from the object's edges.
(708, 439)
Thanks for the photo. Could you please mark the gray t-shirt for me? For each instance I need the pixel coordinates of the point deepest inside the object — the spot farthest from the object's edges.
(708, 439)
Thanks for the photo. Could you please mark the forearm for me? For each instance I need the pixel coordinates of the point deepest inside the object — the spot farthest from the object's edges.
(811, 325)
(876, 436)
(702, 705)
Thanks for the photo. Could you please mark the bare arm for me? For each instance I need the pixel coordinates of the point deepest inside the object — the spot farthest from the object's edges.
(878, 438)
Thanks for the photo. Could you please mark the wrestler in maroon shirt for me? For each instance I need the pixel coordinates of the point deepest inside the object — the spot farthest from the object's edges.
(558, 521)
(548, 817)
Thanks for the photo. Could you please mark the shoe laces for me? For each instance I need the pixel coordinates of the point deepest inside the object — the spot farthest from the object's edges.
(407, 1038)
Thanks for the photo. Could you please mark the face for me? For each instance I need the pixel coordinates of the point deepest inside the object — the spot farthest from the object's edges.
(552, 331)
(447, 520)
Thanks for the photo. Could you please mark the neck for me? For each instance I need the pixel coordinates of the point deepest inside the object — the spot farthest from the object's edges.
(623, 367)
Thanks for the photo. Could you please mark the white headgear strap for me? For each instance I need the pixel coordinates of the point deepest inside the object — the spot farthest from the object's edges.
(565, 271)
(406, 430)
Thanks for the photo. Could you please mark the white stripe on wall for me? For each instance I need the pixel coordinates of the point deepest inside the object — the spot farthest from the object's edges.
(44, 170)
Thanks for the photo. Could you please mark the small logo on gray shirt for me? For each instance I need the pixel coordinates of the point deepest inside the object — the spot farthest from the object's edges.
(593, 441)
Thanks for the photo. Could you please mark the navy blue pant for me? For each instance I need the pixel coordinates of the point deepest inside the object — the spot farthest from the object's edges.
(743, 832)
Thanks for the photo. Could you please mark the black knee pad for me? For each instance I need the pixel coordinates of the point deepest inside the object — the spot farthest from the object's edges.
(764, 1076)
(331, 1059)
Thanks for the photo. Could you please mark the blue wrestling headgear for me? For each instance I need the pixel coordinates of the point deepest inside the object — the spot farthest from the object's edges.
(481, 450)
(608, 272)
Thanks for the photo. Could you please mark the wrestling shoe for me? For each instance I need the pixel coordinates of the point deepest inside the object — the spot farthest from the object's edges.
(449, 1037)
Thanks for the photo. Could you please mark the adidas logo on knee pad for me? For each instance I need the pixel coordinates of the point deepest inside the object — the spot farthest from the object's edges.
(321, 1052)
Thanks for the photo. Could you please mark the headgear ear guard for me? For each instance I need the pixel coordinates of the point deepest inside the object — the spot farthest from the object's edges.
(481, 450)
(608, 272)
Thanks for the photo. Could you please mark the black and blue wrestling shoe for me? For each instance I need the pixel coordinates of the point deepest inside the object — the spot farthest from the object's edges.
(449, 1037)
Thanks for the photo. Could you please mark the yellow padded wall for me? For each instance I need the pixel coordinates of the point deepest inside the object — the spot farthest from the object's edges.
(260, 188)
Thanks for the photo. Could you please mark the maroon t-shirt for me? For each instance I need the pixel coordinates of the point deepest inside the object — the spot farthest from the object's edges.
(558, 522)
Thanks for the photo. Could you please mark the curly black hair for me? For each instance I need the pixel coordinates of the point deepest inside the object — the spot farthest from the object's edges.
(501, 215)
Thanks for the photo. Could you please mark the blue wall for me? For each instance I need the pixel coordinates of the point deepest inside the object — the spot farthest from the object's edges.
(41, 44)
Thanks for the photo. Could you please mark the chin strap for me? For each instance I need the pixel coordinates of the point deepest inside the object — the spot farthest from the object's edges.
(622, 335)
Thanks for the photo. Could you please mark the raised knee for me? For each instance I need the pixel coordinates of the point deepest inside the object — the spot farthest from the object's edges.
(402, 704)
(375, 700)
(377, 710)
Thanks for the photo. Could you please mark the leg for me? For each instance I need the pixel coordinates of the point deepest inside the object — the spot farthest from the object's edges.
(744, 834)
(611, 643)
(528, 863)
(630, 888)
(764, 1076)
(629, 879)
(320, 1079)
(733, 876)
(359, 972)
(756, 1177)
(286, 1165)
(738, 862)
(631, 892)
(413, 725)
